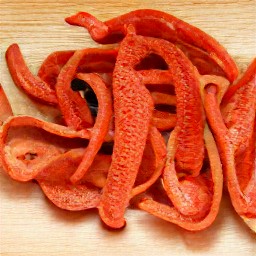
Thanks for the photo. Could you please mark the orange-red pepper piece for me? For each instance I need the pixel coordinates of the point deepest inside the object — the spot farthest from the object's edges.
(5, 107)
(133, 111)
(54, 180)
(100, 61)
(101, 127)
(235, 138)
(34, 86)
(168, 212)
(157, 24)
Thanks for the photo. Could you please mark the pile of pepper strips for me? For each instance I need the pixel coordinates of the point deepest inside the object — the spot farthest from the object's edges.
(172, 119)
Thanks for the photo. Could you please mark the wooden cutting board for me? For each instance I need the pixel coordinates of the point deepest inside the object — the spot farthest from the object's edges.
(29, 223)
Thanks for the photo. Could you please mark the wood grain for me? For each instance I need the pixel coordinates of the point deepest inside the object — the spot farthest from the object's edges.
(30, 224)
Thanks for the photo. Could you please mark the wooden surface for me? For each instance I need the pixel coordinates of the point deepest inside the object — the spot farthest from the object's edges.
(29, 223)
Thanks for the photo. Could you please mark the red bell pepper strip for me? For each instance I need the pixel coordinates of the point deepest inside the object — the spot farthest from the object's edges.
(149, 172)
(5, 107)
(133, 110)
(14, 166)
(54, 180)
(248, 76)
(34, 86)
(101, 126)
(100, 61)
(160, 25)
(234, 138)
(52, 65)
(201, 60)
(5, 112)
(200, 222)
(164, 120)
(73, 107)
(161, 98)
(28, 144)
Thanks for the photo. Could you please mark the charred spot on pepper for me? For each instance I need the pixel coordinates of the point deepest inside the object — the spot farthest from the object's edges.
(87, 93)
(152, 61)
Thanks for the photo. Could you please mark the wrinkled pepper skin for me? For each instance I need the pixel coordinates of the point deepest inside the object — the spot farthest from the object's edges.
(156, 24)
(165, 210)
(34, 86)
(5, 107)
(97, 60)
(234, 130)
(133, 107)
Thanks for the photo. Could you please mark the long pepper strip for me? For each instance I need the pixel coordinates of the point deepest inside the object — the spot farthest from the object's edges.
(159, 149)
(248, 76)
(171, 214)
(5, 107)
(133, 108)
(73, 107)
(54, 180)
(27, 144)
(100, 61)
(34, 86)
(244, 202)
(101, 126)
(157, 24)
(132, 117)
(163, 120)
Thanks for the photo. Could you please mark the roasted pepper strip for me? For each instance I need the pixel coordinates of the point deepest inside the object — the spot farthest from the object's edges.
(242, 119)
(73, 107)
(54, 180)
(28, 143)
(133, 108)
(156, 24)
(147, 177)
(14, 166)
(101, 61)
(34, 86)
(248, 76)
(132, 117)
(101, 126)
(5, 107)
(193, 223)
(163, 120)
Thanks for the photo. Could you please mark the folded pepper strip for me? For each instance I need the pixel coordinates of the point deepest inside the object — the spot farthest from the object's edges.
(160, 25)
(235, 135)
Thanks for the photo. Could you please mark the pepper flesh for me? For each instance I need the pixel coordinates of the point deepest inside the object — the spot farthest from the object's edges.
(101, 126)
(192, 223)
(97, 60)
(157, 24)
(123, 169)
(235, 137)
(34, 86)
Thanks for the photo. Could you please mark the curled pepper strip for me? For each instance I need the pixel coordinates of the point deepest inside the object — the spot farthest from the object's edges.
(24, 145)
(192, 223)
(148, 176)
(54, 179)
(100, 61)
(133, 108)
(5, 107)
(164, 121)
(102, 123)
(160, 25)
(248, 76)
(116, 192)
(237, 140)
(34, 86)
